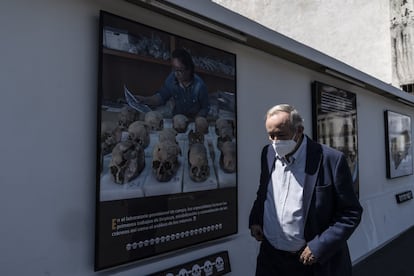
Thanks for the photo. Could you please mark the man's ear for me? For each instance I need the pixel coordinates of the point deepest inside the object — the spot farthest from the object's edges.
(300, 131)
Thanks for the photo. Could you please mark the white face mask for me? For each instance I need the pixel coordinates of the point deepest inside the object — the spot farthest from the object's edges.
(284, 147)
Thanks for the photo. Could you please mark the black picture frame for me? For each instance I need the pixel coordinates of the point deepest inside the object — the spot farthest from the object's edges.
(145, 217)
(334, 123)
(398, 144)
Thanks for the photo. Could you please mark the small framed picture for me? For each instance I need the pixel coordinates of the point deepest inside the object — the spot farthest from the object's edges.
(398, 144)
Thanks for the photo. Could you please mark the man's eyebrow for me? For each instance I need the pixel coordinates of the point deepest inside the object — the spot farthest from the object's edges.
(275, 133)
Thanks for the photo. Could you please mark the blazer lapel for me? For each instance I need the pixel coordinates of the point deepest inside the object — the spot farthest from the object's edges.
(271, 155)
(313, 164)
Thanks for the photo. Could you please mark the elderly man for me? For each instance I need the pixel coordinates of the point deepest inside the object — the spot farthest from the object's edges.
(306, 208)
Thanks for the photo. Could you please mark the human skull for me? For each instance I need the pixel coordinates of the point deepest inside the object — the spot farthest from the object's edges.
(154, 120)
(201, 125)
(219, 264)
(196, 270)
(183, 272)
(198, 162)
(138, 133)
(195, 137)
(165, 160)
(168, 134)
(208, 268)
(126, 117)
(180, 123)
(127, 161)
(228, 159)
(111, 134)
(222, 123)
(226, 135)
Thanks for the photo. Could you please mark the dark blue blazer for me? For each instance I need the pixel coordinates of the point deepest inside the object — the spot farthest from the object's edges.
(331, 207)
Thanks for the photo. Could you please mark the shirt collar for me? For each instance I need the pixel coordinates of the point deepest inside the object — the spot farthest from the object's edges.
(300, 150)
(290, 159)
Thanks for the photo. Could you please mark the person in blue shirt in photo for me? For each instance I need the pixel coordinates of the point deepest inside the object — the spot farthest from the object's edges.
(186, 89)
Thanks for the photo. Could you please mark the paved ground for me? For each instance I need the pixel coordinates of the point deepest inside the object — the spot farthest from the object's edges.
(394, 259)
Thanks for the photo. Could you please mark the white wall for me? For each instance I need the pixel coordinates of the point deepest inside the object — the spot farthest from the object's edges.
(48, 81)
(336, 28)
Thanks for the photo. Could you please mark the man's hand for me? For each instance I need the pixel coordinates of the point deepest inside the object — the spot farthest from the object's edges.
(307, 258)
(153, 100)
(256, 232)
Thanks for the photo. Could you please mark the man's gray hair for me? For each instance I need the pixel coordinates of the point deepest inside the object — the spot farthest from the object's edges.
(294, 117)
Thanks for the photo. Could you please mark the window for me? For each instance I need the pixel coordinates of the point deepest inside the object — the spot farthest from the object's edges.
(409, 88)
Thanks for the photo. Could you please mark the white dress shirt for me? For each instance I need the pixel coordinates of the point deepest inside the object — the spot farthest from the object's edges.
(283, 223)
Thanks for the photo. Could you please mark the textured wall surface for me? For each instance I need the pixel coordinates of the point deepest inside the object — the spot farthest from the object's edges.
(354, 31)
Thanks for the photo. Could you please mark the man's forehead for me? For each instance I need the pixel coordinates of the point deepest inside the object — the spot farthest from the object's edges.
(279, 121)
(279, 117)
(176, 61)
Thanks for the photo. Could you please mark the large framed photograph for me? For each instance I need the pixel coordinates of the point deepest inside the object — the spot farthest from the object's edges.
(335, 123)
(166, 143)
(398, 144)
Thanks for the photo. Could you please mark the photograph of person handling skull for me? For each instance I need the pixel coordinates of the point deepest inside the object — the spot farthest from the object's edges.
(187, 91)
(166, 164)
(168, 121)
